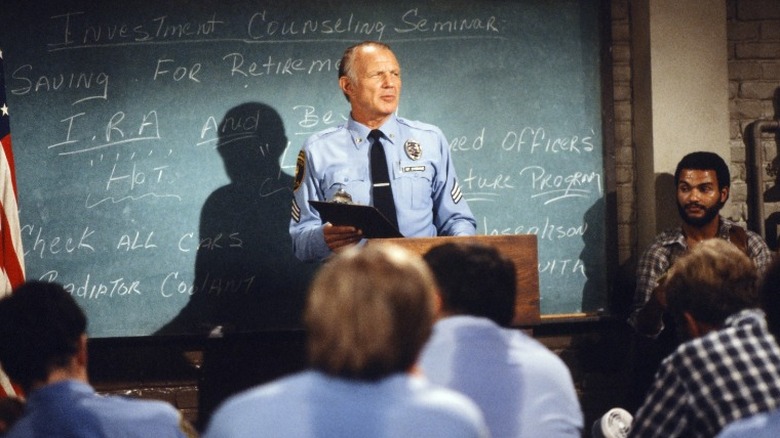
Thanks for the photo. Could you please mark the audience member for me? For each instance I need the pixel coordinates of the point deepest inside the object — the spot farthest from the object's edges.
(730, 367)
(523, 389)
(702, 183)
(43, 347)
(368, 314)
(764, 425)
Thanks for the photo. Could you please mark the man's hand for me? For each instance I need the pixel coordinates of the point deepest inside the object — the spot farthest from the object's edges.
(649, 320)
(659, 293)
(339, 237)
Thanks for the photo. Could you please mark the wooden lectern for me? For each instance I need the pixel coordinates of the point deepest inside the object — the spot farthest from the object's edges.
(520, 248)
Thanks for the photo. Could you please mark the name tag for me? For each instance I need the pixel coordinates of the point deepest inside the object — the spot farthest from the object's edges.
(413, 168)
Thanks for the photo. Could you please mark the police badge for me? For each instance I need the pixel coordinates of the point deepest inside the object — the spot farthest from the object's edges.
(413, 149)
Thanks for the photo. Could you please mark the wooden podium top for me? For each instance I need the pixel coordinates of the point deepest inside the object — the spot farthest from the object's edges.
(521, 249)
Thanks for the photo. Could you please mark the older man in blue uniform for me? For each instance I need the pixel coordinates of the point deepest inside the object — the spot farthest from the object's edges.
(426, 195)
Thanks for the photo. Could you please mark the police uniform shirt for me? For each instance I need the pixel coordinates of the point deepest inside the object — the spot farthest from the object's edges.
(426, 192)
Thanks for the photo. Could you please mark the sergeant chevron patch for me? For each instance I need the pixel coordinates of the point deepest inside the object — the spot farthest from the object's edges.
(296, 211)
(456, 193)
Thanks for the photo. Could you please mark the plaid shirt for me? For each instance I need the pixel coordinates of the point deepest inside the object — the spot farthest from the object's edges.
(713, 380)
(669, 246)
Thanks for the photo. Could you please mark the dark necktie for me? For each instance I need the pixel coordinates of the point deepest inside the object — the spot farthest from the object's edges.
(383, 193)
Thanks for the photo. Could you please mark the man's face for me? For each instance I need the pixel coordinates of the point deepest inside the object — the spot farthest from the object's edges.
(376, 88)
(698, 198)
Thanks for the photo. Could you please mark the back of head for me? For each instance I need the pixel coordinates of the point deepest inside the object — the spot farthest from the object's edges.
(713, 281)
(474, 279)
(705, 161)
(40, 329)
(369, 312)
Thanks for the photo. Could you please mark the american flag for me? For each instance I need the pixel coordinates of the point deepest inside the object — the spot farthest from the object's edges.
(11, 254)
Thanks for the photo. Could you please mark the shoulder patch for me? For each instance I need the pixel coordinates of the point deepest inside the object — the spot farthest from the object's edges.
(295, 211)
(456, 193)
(300, 170)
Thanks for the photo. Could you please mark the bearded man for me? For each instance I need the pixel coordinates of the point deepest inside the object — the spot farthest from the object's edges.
(702, 181)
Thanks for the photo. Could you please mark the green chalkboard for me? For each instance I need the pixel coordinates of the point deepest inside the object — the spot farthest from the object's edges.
(155, 142)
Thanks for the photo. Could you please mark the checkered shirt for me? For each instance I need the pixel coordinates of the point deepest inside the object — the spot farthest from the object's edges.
(669, 246)
(713, 380)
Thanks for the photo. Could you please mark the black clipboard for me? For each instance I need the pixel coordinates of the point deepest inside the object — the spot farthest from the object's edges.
(364, 217)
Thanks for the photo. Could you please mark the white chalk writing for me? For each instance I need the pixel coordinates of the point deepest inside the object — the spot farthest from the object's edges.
(560, 187)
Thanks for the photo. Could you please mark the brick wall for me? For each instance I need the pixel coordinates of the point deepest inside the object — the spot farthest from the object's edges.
(623, 132)
(754, 94)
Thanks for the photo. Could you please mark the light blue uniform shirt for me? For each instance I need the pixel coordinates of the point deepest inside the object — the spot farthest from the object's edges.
(426, 192)
(765, 425)
(313, 404)
(72, 409)
(523, 389)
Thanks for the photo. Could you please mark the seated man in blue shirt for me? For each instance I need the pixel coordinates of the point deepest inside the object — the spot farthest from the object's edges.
(426, 195)
(368, 314)
(523, 388)
(43, 347)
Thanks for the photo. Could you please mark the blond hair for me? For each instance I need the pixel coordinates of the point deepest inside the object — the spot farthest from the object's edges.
(369, 312)
(713, 281)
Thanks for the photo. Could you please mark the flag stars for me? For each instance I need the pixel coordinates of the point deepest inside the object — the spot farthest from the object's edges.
(4, 108)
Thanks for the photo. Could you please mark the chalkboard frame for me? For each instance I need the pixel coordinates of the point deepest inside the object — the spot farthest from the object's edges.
(608, 158)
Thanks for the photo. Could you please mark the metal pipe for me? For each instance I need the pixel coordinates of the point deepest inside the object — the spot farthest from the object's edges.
(756, 218)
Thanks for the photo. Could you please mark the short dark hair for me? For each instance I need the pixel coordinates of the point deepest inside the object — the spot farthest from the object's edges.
(705, 161)
(40, 329)
(475, 279)
(711, 282)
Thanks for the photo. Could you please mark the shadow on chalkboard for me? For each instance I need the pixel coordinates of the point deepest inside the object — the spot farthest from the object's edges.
(594, 293)
(246, 276)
